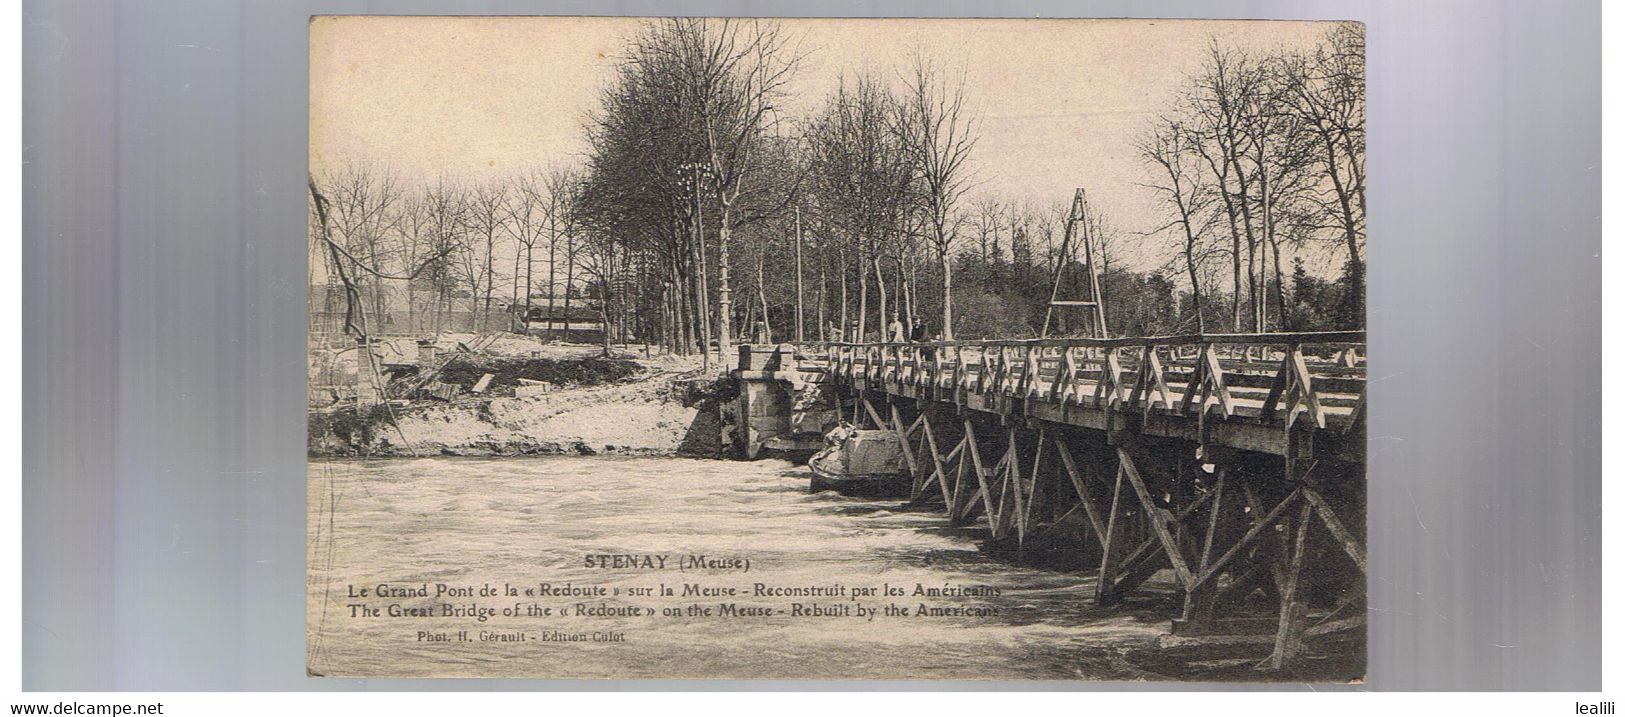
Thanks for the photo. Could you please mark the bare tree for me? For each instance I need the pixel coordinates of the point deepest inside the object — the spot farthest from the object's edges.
(445, 203)
(733, 73)
(1168, 146)
(988, 220)
(349, 268)
(362, 210)
(1325, 90)
(1219, 100)
(860, 173)
(561, 187)
(486, 218)
(526, 208)
(938, 135)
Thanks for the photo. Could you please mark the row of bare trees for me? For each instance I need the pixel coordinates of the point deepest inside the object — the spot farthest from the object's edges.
(689, 151)
(1265, 151)
(700, 213)
(475, 246)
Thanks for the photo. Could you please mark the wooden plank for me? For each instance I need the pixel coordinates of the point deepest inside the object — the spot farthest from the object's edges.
(1137, 568)
(1072, 472)
(1015, 486)
(1289, 633)
(973, 505)
(1335, 527)
(1200, 599)
(1213, 518)
(1105, 582)
(1153, 545)
(1301, 373)
(873, 414)
(1278, 387)
(915, 426)
(1063, 376)
(957, 497)
(1215, 379)
(1035, 382)
(981, 474)
(1356, 416)
(1247, 538)
(1055, 525)
(1159, 518)
(1158, 381)
(962, 481)
(1107, 390)
(1193, 386)
(1033, 491)
(908, 450)
(936, 462)
(1332, 626)
(998, 521)
(1275, 557)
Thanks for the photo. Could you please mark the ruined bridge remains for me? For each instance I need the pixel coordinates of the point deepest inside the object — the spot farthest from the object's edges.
(1224, 470)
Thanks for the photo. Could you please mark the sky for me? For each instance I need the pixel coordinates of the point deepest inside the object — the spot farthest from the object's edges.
(1059, 103)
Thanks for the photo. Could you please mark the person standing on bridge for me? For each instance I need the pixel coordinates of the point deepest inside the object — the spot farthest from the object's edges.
(897, 334)
(919, 336)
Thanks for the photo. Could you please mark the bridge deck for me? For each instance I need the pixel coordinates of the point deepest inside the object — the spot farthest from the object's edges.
(1263, 392)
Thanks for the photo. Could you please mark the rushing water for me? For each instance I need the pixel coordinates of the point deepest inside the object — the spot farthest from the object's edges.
(527, 521)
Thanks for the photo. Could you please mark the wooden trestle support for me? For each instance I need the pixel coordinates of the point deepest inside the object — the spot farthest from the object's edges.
(1236, 462)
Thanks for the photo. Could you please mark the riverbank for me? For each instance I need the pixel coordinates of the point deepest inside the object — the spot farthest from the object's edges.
(540, 399)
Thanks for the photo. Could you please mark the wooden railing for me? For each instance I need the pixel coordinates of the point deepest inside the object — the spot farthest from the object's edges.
(1267, 377)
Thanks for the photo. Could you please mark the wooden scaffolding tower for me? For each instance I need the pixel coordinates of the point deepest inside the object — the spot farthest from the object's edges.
(1077, 226)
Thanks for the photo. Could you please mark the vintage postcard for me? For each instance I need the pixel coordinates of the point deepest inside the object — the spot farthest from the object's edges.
(878, 349)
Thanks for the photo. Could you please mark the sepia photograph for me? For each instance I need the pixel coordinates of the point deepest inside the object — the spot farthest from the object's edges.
(836, 349)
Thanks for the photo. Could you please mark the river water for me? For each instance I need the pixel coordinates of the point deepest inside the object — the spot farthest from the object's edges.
(526, 521)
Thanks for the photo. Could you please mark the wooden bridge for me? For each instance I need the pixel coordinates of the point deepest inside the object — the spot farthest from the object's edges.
(1232, 466)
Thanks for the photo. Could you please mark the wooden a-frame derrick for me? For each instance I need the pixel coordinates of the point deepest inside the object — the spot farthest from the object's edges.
(1077, 218)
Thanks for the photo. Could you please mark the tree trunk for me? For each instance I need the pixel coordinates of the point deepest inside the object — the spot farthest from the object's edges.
(724, 291)
(863, 296)
(513, 300)
(1196, 284)
(947, 293)
(490, 279)
(801, 323)
(552, 278)
(569, 280)
(530, 270)
(1235, 262)
(1280, 286)
(905, 302)
(702, 287)
(823, 290)
(1266, 205)
(880, 285)
(844, 299)
(603, 315)
(761, 292)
